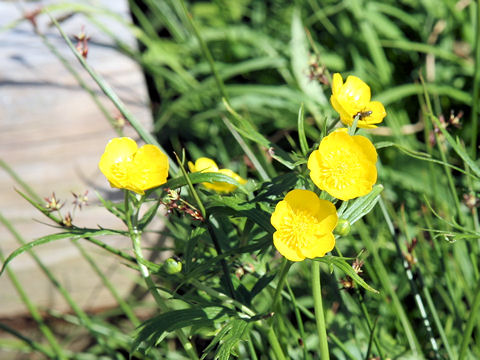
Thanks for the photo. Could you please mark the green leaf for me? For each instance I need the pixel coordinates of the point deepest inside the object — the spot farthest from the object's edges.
(73, 234)
(300, 61)
(420, 156)
(115, 209)
(362, 206)
(341, 264)
(237, 207)
(154, 330)
(302, 139)
(247, 130)
(458, 147)
(199, 177)
(149, 215)
(238, 328)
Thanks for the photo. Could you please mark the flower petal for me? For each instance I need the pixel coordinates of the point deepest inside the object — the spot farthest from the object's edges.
(149, 169)
(319, 247)
(205, 164)
(283, 248)
(344, 165)
(337, 83)
(116, 160)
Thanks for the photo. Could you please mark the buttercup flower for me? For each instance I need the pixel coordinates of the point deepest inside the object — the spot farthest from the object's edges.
(205, 164)
(344, 165)
(352, 98)
(137, 169)
(304, 225)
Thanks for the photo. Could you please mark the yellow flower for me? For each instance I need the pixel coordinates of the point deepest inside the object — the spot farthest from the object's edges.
(137, 169)
(344, 165)
(352, 98)
(304, 225)
(204, 164)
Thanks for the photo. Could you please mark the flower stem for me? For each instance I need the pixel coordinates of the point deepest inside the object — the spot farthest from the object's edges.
(135, 235)
(467, 334)
(319, 315)
(275, 344)
(281, 282)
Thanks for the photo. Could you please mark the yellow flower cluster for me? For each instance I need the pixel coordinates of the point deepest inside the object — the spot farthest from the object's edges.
(304, 225)
(352, 98)
(137, 169)
(205, 164)
(343, 166)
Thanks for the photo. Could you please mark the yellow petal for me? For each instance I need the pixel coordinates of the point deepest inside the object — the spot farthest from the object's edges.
(355, 90)
(191, 166)
(149, 169)
(327, 213)
(366, 147)
(303, 223)
(281, 214)
(319, 246)
(345, 117)
(205, 164)
(378, 113)
(337, 83)
(283, 248)
(116, 160)
(303, 200)
(344, 165)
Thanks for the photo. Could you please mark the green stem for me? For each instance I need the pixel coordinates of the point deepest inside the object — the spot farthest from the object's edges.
(298, 317)
(369, 323)
(121, 302)
(281, 282)
(226, 272)
(319, 314)
(135, 236)
(251, 348)
(275, 344)
(84, 318)
(467, 334)
(31, 343)
(390, 289)
(408, 272)
(35, 314)
(476, 86)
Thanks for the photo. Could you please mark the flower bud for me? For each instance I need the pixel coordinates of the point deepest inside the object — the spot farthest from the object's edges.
(172, 266)
(342, 228)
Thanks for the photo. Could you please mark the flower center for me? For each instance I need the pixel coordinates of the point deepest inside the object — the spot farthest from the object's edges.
(298, 227)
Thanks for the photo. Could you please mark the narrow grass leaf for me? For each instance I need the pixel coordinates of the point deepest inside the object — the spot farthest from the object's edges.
(363, 205)
(73, 234)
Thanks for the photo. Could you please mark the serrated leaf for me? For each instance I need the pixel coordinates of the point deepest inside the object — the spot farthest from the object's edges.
(362, 206)
(72, 234)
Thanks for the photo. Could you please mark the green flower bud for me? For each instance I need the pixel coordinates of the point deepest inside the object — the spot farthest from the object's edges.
(342, 228)
(172, 266)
